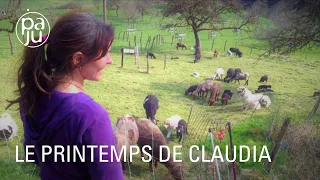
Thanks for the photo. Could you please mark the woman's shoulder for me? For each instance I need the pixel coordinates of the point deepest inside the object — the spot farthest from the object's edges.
(83, 105)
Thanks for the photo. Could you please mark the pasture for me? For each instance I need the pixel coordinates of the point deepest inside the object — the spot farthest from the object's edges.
(122, 91)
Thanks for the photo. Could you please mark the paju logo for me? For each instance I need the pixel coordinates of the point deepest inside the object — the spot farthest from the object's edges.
(33, 24)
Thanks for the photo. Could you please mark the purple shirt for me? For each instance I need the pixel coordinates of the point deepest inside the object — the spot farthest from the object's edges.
(71, 119)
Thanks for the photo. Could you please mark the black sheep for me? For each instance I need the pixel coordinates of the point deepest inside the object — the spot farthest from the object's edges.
(263, 78)
(191, 89)
(151, 55)
(227, 91)
(237, 71)
(151, 105)
(182, 129)
(230, 74)
(236, 51)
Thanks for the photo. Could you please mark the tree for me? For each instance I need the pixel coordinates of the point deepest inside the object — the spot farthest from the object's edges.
(114, 5)
(203, 15)
(143, 6)
(130, 9)
(12, 14)
(293, 25)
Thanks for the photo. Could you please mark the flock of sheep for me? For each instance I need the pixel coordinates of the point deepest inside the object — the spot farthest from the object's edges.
(251, 100)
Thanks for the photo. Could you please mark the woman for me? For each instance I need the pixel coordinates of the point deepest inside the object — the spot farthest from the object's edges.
(54, 108)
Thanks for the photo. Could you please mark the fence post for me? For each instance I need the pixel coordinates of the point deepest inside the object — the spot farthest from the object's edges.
(172, 40)
(122, 54)
(251, 49)
(212, 44)
(224, 49)
(147, 62)
(276, 146)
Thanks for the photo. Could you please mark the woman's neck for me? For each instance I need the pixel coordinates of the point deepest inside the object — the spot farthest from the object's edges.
(70, 85)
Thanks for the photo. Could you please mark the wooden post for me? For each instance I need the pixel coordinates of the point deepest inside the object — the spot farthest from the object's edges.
(141, 36)
(124, 33)
(129, 45)
(148, 62)
(251, 49)
(172, 40)
(224, 49)
(277, 142)
(135, 55)
(135, 41)
(153, 42)
(212, 44)
(119, 35)
(122, 54)
(128, 36)
(165, 61)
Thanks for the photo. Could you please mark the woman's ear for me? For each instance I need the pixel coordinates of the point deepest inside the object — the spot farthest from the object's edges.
(77, 58)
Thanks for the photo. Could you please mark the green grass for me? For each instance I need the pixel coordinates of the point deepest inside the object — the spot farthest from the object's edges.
(122, 90)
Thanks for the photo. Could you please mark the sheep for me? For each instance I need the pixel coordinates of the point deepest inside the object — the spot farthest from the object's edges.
(181, 45)
(215, 92)
(229, 53)
(216, 53)
(226, 96)
(230, 74)
(203, 87)
(263, 78)
(171, 124)
(236, 51)
(253, 101)
(151, 105)
(317, 93)
(219, 72)
(8, 127)
(191, 89)
(126, 134)
(182, 129)
(151, 55)
(150, 134)
(237, 71)
(242, 76)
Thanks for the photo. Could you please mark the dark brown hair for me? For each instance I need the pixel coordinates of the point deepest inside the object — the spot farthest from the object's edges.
(76, 31)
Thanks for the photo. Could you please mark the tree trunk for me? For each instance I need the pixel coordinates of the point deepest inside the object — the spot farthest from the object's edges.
(11, 44)
(197, 46)
(314, 110)
(104, 11)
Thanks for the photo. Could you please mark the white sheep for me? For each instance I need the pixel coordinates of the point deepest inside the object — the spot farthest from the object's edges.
(219, 72)
(171, 124)
(253, 101)
(8, 128)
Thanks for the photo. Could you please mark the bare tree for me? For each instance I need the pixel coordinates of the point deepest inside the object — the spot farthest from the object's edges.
(114, 5)
(130, 9)
(12, 14)
(293, 25)
(143, 6)
(203, 15)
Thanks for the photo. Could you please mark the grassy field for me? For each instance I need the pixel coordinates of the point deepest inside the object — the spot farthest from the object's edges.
(122, 90)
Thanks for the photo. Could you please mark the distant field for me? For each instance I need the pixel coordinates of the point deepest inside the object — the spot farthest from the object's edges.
(122, 90)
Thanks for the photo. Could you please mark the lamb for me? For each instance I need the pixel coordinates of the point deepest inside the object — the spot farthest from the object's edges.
(171, 124)
(181, 45)
(191, 89)
(216, 53)
(151, 135)
(263, 78)
(151, 105)
(226, 96)
(219, 72)
(151, 55)
(203, 87)
(126, 134)
(253, 101)
(230, 74)
(242, 76)
(8, 127)
(182, 129)
(215, 92)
